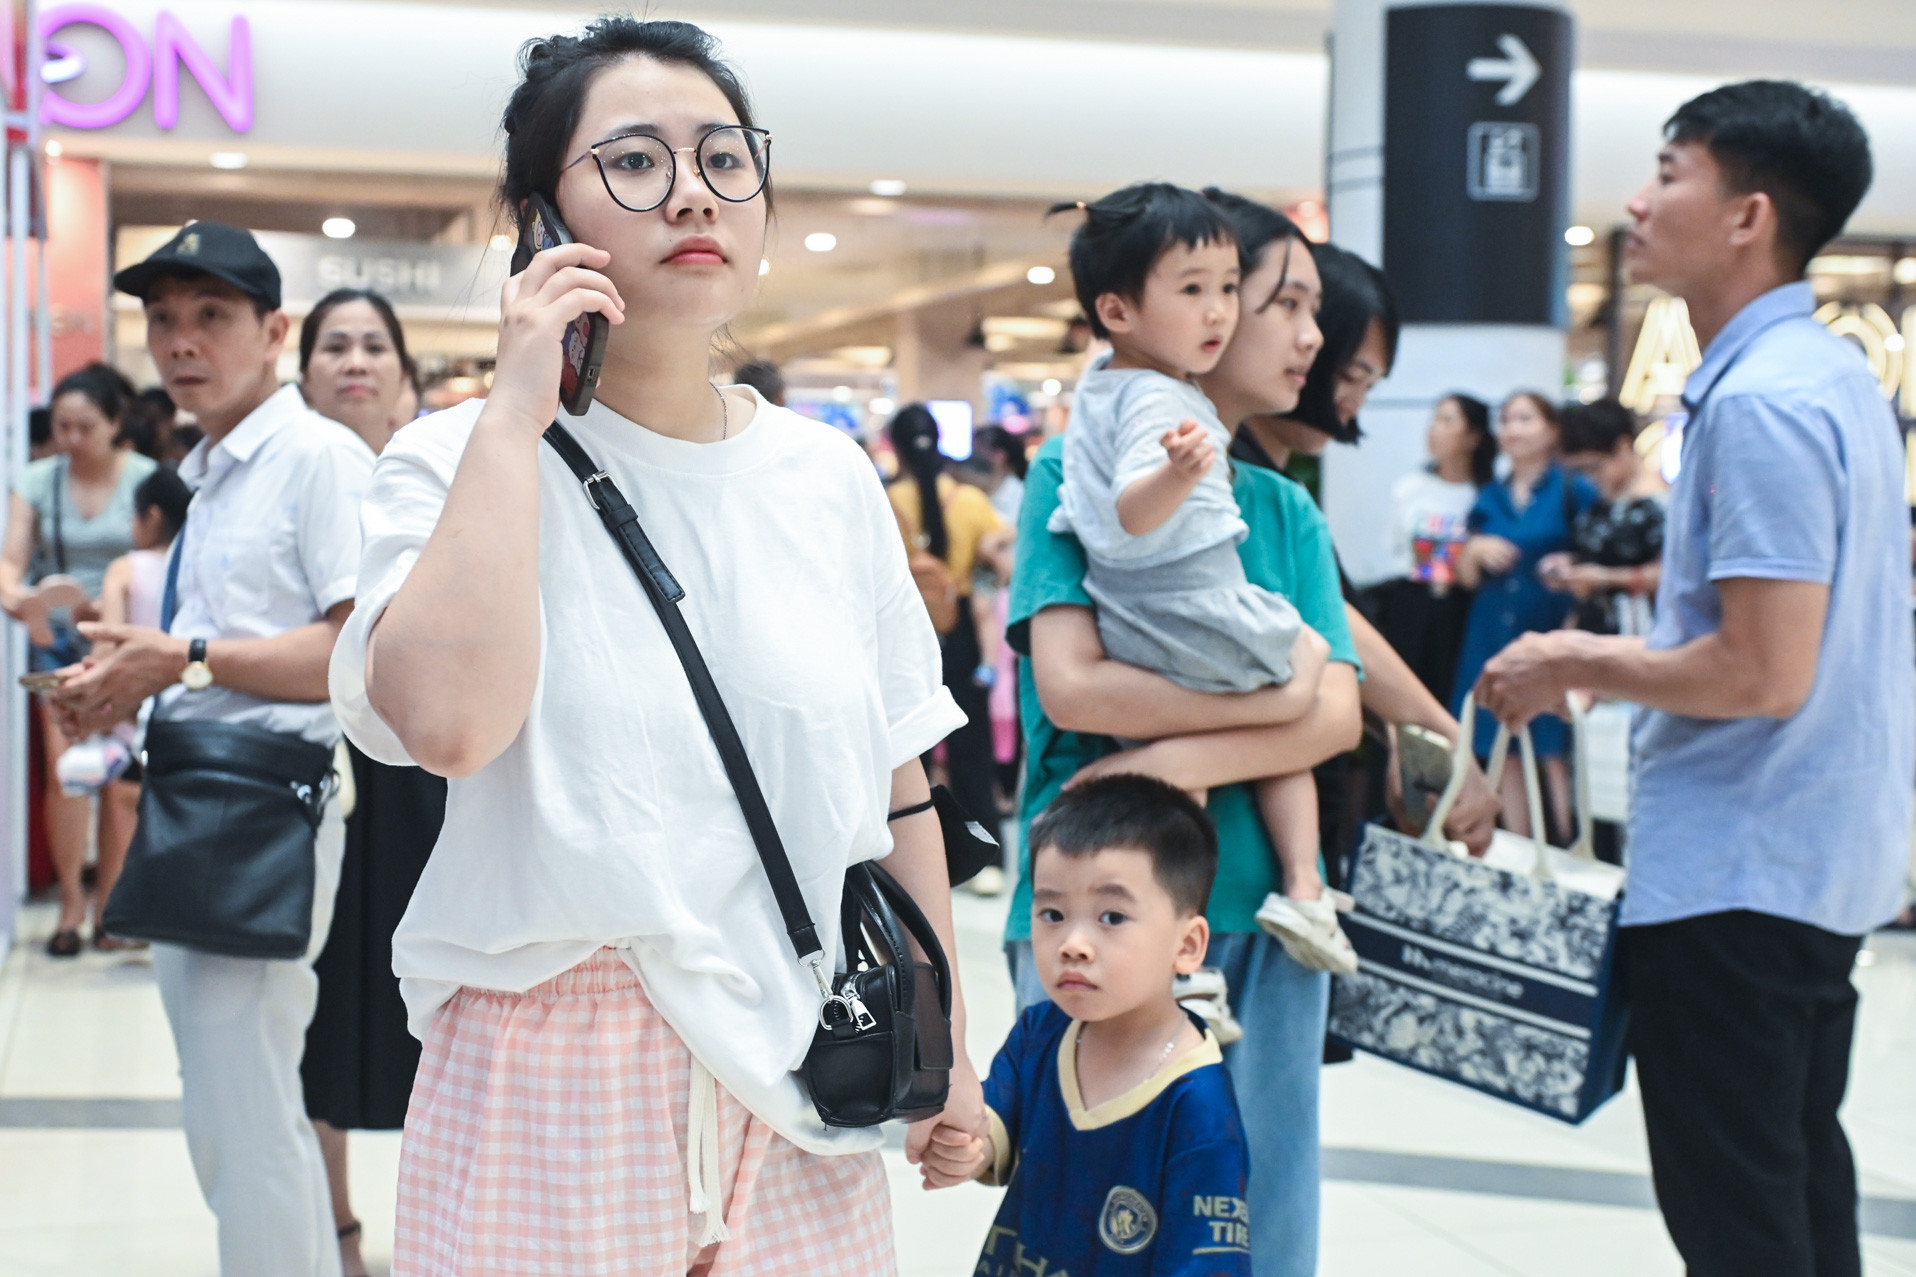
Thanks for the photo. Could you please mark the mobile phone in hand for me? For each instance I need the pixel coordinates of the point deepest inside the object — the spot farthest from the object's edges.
(583, 344)
(43, 681)
(1423, 762)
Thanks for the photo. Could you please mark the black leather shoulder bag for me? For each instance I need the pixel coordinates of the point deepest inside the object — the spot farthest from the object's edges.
(882, 1048)
(223, 859)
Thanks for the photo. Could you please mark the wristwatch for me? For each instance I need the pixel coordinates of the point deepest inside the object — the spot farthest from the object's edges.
(196, 676)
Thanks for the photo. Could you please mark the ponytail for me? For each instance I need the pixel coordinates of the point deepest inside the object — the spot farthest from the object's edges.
(914, 437)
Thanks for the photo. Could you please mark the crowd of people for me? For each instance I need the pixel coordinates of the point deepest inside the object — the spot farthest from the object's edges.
(545, 934)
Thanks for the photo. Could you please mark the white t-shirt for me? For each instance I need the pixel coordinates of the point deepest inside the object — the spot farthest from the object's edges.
(1428, 522)
(609, 820)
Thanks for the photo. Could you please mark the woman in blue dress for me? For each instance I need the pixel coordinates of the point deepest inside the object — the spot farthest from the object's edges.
(1517, 521)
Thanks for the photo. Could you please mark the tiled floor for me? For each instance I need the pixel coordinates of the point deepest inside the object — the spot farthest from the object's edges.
(1423, 1179)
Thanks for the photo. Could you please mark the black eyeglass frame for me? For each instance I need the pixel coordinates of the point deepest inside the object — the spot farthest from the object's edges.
(765, 141)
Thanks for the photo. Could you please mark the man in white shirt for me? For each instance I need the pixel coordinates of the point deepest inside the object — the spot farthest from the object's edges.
(265, 570)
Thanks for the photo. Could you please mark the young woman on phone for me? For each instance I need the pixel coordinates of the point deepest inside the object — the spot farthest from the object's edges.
(610, 1007)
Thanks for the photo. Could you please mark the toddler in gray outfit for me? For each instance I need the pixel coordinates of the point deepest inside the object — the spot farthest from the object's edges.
(1147, 492)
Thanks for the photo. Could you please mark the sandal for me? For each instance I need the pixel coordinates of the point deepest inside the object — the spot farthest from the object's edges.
(106, 942)
(64, 944)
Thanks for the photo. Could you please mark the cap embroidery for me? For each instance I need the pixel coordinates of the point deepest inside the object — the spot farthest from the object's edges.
(190, 245)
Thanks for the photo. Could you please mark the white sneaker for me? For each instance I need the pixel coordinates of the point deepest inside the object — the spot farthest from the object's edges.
(1204, 992)
(1309, 932)
(989, 881)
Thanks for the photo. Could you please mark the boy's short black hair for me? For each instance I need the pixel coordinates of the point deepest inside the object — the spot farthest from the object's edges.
(1125, 233)
(1799, 146)
(1137, 813)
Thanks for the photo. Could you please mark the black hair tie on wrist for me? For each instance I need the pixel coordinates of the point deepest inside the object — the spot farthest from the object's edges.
(903, 812)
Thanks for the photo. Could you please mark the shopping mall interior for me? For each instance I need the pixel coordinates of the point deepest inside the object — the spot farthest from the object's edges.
(918, 150)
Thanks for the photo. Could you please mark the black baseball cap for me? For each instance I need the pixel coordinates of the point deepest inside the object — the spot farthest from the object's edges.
(208, 248)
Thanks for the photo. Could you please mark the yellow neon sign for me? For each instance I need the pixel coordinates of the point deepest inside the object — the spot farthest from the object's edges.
(1666, 351)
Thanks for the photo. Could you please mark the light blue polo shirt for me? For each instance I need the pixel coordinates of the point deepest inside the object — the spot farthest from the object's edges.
(1792, 471)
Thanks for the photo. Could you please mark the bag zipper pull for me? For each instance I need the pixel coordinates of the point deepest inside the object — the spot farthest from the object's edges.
(862, 1018)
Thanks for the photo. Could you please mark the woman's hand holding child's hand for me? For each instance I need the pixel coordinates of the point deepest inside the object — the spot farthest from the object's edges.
(953, 1156)
(954, 1145)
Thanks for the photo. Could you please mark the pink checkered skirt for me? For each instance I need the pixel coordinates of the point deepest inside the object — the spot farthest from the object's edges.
(547, 1135)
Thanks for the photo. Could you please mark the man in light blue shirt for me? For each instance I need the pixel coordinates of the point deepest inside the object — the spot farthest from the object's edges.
(1770, 820)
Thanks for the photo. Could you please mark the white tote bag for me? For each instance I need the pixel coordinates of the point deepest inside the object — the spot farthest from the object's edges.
(1498, 973)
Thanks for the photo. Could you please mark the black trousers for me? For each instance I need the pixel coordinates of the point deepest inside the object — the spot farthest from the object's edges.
(969, 763)
(1741, 1024)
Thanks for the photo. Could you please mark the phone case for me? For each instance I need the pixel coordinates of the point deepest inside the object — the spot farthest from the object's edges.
(583, 345)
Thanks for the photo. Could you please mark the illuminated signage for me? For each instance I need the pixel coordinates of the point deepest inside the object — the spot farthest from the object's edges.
(155, 64)
(1666, 351)
(1666, 354)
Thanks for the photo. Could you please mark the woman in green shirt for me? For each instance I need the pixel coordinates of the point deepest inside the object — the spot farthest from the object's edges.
(1074, 700)
(71, 515)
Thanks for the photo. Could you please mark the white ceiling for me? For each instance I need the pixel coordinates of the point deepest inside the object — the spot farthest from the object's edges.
(1846, 40)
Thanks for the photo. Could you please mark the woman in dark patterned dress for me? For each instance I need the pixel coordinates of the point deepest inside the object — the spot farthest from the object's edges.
(1616, 546)
(360, 1058)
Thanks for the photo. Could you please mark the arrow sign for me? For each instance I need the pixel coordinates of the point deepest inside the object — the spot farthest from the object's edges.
(1517, 68)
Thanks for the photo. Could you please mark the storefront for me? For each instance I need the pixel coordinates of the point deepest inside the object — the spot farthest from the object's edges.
(909, 257)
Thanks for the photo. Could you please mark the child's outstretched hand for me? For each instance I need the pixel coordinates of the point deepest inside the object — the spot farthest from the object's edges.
(1190, 450)
(953, 1155)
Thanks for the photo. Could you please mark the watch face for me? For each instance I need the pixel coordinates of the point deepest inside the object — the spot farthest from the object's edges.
(197, 677)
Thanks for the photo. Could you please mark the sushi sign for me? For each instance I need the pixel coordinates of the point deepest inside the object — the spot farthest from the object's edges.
(150, 64)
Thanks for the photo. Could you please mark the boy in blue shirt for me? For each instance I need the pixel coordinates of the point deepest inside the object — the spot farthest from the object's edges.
(1113, 1122)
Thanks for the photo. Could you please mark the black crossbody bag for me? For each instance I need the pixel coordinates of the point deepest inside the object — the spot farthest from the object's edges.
(223, 859)
(882, 1048)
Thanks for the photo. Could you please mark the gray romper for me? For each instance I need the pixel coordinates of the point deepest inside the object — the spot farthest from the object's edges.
(1176, 599)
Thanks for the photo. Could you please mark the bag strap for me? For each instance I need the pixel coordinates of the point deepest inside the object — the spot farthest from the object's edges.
(170, 593)
(1585, 846)
(1459, 771)
(1533, 794)
(60, 471)
(664, 590)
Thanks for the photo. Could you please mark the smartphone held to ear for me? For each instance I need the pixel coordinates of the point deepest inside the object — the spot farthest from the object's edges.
(583, 346)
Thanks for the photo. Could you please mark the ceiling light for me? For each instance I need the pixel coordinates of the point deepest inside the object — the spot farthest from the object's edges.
(821, 241)
(1052, 386)
(54, 148)
(1041, 275)
(880, 407)
(227, 159)
(889, 187)
(841, 394)
(501, 243)
(764, 266)
(1906, 271)
(338, 228)
(1578, 236)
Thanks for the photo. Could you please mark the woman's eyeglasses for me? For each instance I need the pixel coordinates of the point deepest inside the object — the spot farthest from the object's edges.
(733, 161)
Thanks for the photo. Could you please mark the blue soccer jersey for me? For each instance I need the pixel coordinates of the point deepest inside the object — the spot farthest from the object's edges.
(1149, 1183)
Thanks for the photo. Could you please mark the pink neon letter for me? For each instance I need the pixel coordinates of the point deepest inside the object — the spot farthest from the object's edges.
(55, 109)
(231, 96)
